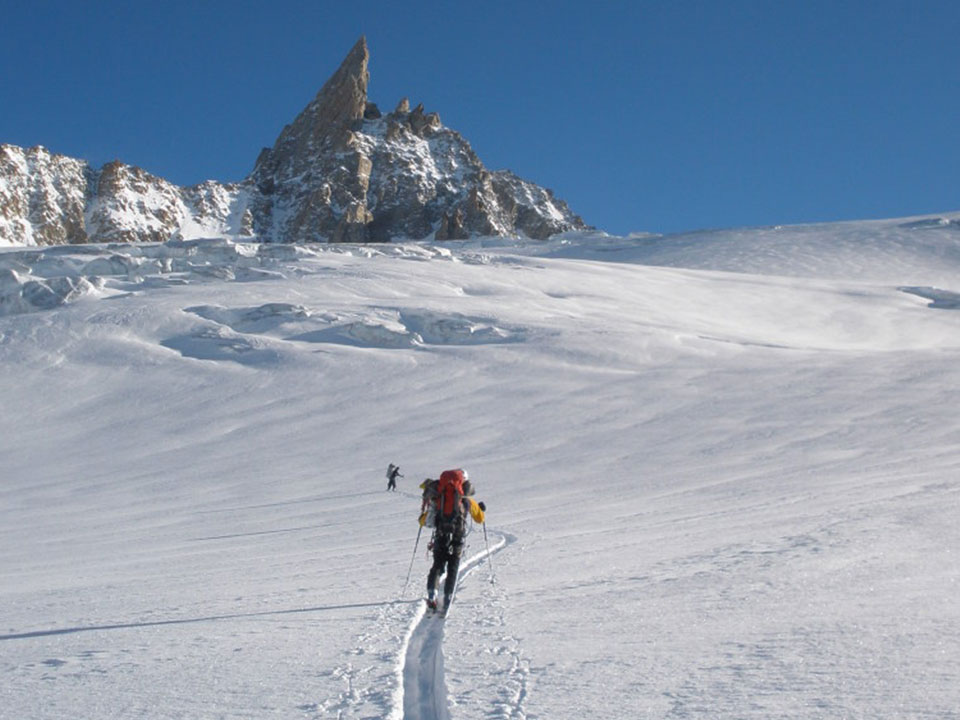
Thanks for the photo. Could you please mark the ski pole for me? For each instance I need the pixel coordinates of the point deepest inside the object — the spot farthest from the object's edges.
(489, 555)
(410, 569)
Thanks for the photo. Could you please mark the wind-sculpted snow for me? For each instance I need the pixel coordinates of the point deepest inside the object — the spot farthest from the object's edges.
(375, 328)
(733, 486)
(256, 319)
(401, 329)
(22, 293)
(372, 330)
(253, 335)
(456, 329)
(940, 299)
(41, 279)
(219, 343)
(916, 251)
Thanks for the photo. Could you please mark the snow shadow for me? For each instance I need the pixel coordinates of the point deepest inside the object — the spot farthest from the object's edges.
(299, 501)
(939, 299)
(368, 333)
(456, 329)
(220, 343)
(249, 335)
(190, 621)
(260, 319)
(402, 329)
(24, 293)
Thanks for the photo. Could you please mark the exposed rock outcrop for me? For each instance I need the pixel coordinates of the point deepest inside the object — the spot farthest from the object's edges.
(342, 171)
(42, 197)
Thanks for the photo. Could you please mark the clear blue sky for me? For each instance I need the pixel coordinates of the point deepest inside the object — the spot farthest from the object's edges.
(659, 116)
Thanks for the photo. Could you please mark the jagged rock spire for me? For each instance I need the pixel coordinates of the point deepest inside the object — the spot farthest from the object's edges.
(343, 98)
(325, 124)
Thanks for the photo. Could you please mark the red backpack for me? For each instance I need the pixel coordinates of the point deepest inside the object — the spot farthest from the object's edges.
(450, 501)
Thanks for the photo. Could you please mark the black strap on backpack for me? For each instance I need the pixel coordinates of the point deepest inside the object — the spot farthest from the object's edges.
(452, 525)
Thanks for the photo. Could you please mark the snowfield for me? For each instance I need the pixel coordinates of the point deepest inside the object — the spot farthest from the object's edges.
(722, 473)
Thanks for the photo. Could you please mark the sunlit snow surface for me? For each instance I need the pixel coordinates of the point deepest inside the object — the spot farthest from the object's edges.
(721, 471)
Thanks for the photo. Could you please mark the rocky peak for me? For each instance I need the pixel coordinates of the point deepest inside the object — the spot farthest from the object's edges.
(325, 125)
(340, 172)
(42, 197)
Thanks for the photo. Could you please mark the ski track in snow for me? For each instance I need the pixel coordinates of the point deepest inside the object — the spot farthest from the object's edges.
(422, 689)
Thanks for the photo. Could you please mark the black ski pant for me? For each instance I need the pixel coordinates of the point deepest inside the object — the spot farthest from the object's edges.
(445, 555)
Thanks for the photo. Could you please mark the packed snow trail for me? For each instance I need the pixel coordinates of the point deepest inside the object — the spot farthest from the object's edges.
(424, 689)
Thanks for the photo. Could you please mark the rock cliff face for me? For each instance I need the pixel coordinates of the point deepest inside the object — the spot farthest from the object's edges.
(43, 197)
(48, 199)
(342, 171)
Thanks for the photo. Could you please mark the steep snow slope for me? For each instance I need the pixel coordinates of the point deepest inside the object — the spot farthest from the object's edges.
(711, 494)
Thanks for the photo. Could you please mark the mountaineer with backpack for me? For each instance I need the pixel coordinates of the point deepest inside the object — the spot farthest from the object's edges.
(446, 504)
(393, 472)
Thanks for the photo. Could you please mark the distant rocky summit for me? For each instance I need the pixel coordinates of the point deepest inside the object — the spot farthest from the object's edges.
(342, 171)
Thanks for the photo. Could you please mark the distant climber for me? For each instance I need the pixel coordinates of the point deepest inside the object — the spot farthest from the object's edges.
(447, 503)
(393, 472)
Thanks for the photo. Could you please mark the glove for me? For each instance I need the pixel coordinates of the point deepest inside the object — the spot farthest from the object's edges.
(423, 519)
(482, 506)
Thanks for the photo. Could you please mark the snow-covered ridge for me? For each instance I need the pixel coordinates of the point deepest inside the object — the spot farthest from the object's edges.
(50, 199)
(43, 197)
(431, 184)
(912, 250)
(340, 171)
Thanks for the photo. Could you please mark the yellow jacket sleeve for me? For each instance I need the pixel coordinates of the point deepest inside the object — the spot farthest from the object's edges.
(475, 512)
